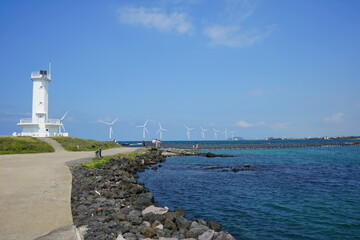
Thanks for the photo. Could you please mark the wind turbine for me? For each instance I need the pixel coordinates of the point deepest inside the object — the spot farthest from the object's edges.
(110, 128)
(144, 129)
(232, 134)
(215, 133)
(161, 131)
(225, 133)
(203, 130)
(188, 132)
(61, 124)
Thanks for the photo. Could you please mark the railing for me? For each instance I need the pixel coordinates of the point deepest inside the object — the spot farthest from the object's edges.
(49, 121)
(37, 74)
(26, 120)
(53, 121)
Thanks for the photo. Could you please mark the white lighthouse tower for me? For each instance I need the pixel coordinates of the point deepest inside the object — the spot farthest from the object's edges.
(40, 125)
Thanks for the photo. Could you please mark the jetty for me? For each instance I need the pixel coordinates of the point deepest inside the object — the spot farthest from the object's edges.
(239, 146)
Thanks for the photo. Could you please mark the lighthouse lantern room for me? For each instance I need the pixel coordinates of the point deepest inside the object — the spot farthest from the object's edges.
(40, 125)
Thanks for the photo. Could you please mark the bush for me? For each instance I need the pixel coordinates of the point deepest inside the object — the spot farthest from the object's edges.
(79, 144)
(17, 145)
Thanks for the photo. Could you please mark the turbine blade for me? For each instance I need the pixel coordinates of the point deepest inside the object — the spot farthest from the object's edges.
(104, 122)
(62, 125)
(64, 116)
(114, 121)
(146, 130)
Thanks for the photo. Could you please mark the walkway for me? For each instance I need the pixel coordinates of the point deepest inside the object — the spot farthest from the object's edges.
(35, 192)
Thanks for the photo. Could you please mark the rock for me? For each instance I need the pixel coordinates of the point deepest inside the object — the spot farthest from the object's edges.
(182, 223)
(215, 226)
(164, 238)
(151, 217)
(160, 226)
(224, 236)
(124, 227)
(148, 231)
(155, 210)
(247, 165)
(202, 222)
(130, 236)
(196, 232)
(163, 233)
(146, 224)
(194, 224)
(134, 217)
(168, 224)
(178, 235)
(208, 235)
(120, 237)
(170, 216)
(120, 216)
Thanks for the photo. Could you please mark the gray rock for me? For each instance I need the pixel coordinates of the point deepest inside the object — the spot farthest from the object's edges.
(124, 227)
(178, 235)
(182, 223)
(130, 236)
(202, 222)
(170, 215)
(168, 224)
(196, 232)
(163, 233)
(134, 217)
(224, 236)
(208, 235)
(194, 225)
(215, 226)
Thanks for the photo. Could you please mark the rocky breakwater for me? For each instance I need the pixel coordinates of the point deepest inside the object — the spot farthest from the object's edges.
(109, 203)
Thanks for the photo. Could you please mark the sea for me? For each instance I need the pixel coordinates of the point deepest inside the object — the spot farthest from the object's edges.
(292, 193)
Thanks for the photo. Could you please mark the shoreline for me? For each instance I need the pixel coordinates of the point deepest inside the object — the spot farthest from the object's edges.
(110, 203)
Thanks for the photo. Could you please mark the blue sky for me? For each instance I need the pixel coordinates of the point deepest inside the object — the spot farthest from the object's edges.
(265, 68)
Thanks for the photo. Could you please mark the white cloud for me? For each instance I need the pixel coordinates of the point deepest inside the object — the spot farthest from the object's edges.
(236, 36)
(156, 18)
(245, 124)
(336, 118)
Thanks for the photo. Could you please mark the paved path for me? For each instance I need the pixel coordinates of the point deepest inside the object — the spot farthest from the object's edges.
(35, 191)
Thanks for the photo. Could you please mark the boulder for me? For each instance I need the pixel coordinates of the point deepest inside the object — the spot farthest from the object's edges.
(170, 216)
(182, 223)
(148, 231)
(215, 226)
(155, 210)
(120, 237)
(168, 224)
(134, 217)
(130, 236)
(208, 235)
(196, 231)
(224, 236)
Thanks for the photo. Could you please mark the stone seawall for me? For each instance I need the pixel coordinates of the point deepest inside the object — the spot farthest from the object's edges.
(111, 204)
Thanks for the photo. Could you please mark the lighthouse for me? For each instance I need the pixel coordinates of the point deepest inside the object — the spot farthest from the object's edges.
(40, 125)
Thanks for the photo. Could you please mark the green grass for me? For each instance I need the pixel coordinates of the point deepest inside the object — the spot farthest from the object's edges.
(16, 145)
(99, 162)
(79, 144)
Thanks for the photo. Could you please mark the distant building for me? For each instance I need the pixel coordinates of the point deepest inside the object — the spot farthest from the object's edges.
(40, 125)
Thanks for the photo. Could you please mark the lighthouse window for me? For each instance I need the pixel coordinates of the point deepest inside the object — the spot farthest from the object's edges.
(41, 86)
(40, 102)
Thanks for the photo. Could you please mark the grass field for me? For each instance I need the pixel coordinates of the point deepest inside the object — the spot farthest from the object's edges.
(99, 162)
(17, 145)
(79, 144)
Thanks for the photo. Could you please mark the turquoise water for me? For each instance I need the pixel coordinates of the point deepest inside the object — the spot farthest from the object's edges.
(309, 193)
